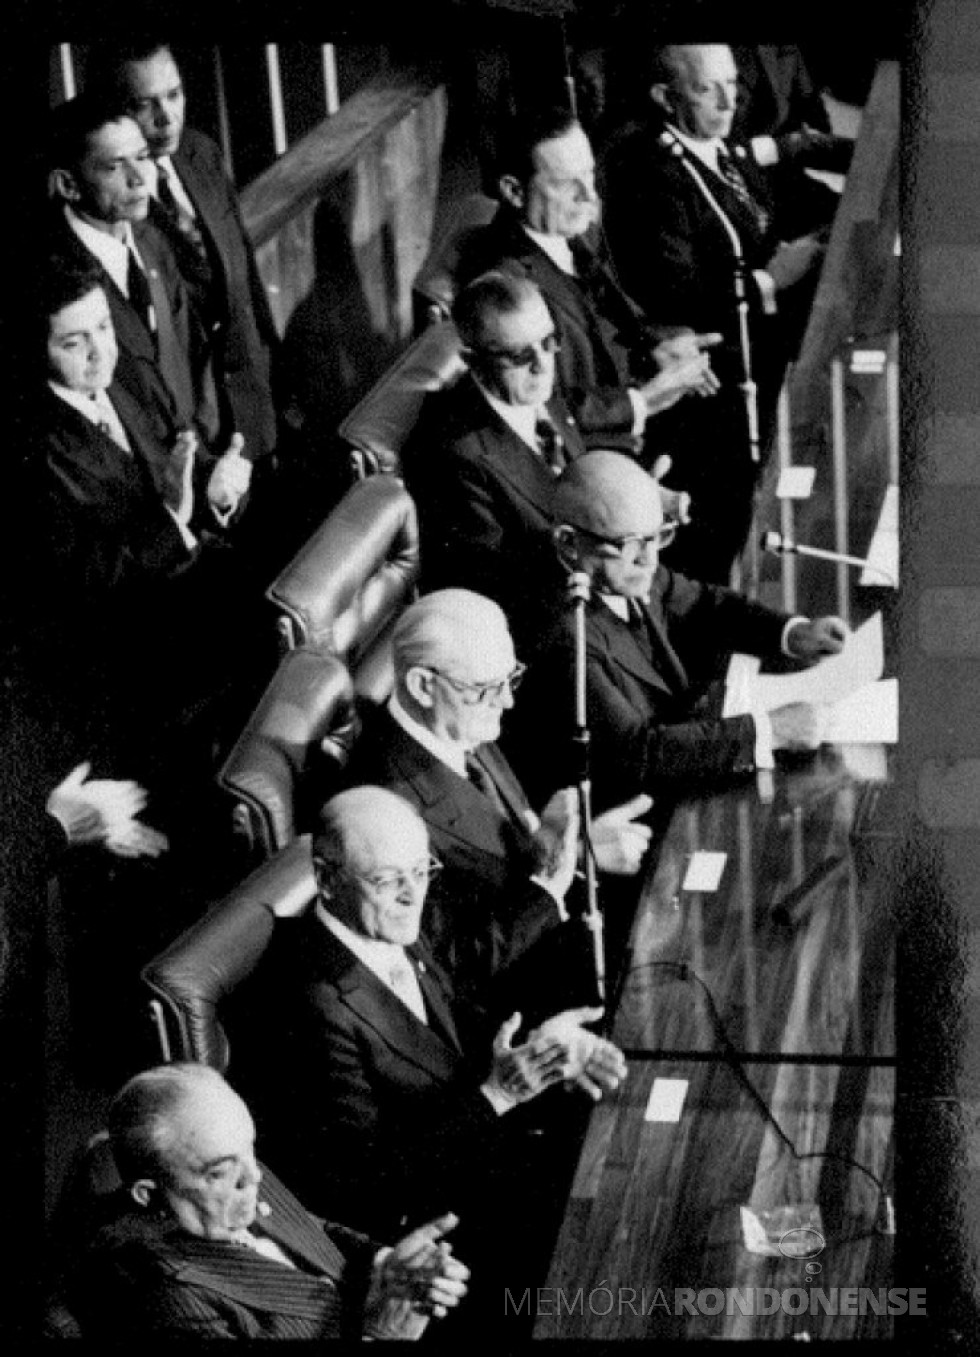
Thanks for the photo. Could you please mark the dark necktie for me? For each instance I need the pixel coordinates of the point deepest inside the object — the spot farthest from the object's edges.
(484, 783)
(732, 175)
(656, 647)
(178, 214)
(550, 444)
(138, 292)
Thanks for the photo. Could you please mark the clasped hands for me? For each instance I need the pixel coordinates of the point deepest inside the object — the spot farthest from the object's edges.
(416, 1280)
(559, 1050)
(684, 369)
(618, 842)
(230, 478)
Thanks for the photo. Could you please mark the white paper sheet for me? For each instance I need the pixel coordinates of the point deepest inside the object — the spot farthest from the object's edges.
(869, 716)
(666, 1100)
(796, 482)
(862, 661)
(704, 871)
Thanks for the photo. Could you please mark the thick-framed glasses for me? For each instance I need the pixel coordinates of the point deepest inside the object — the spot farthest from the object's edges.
(391, 883)
(628, 549)
(475, 693)
(526, 357)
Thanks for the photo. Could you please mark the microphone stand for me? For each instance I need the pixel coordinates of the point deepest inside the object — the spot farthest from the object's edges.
(579, 590)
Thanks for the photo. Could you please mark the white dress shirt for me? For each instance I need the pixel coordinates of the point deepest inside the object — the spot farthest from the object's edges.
(387, 960)
(521, 418)
(110, 250)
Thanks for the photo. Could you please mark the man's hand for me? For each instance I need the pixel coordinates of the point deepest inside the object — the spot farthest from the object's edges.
(597, 1065)
(686, 344)
(104, 811)
(797, 726)
(810, 641)
(676, 504)
(520, 1073)
(556, 842)
(229, 480)
(793, 259)
(178, 477)
(619, 843)
(680, 378)
(416, 1279)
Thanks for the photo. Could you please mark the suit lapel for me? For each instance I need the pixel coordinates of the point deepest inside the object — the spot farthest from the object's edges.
(628, 650)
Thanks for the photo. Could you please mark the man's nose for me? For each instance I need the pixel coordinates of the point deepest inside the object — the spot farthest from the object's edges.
(726, 98)
(251, 1174)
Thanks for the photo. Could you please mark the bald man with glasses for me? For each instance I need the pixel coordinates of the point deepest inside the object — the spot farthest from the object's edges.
(500, 902)
(657, 644)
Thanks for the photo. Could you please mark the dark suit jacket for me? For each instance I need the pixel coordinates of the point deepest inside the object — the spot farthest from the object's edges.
(485, 503)
(145, 1278)
(161, 370)
(653, 722)
(603, 351)
(370, 1114)
(235, 308)
(483, 914)
(669, 247)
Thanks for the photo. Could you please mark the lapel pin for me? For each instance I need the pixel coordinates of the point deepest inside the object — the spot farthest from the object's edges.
(264, 1209)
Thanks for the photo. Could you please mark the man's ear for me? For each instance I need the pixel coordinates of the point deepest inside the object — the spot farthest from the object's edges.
(661, 96)
(418, 685)
(511, 190)
(143, 1192)
(64, 184)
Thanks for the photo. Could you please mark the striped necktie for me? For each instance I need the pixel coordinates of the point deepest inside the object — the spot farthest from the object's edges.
(732, 175)
(178, 214)
(550, 444)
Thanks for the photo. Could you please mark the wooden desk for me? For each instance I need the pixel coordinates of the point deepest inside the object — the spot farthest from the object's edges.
(796, 948)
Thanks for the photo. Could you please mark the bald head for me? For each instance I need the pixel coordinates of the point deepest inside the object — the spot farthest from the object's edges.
(608, 494)
(358, 823)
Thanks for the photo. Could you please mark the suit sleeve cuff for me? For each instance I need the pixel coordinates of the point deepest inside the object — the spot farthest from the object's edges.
(186, 536)
(639, 411)
(767, 290)
(500, 1101)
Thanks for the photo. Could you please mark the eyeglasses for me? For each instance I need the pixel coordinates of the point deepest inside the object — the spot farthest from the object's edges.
(526, 357)
(475, 693)
(628, 549)
(391, 883)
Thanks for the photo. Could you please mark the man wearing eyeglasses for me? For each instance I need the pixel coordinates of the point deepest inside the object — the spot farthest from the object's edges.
(655, 644)
(386, 1090)
(484, 456)
(498, 904)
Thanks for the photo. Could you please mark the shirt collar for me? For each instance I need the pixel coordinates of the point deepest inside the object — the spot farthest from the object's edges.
(521, 418)
(102, 243)
(376, 954)
(89, 406)
(556, 248)
(450, 754)
(705, 151)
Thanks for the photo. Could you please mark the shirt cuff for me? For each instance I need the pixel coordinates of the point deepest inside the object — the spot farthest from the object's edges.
(763, 740)
(784, 639)
(559, 901)
(767, 289)
(765, 150)
(186, 536)
(640, 415)
(500, 1101)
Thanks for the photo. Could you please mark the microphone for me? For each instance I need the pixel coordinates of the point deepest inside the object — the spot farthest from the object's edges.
(778, 545)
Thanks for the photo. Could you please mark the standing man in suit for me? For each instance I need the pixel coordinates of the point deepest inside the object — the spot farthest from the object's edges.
(616, 370)
(655, 641)
(196, 205)
(504, 881)
(213, 1246)
(691, 220)
(387, 1097)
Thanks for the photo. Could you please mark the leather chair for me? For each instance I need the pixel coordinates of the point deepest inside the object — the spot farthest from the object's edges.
(189, 980)
(377, 429)
(345, 587)
(435, 285)
(301, 732)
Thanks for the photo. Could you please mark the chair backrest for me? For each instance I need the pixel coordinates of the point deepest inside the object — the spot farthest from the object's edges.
(378, 427)
(435, 284)
(343, 589)
(301, 732)
(193, 975)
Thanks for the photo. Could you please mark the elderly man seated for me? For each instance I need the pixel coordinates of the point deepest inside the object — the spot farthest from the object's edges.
(504, 884)
(214, 1247)
(386, 1097)
(654, 644)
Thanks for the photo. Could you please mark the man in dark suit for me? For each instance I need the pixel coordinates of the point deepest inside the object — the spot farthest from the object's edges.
(383, 1095)
(501, 896)
(616, 370)
(654, 643)
(690, 220)
(214, 1247)
(195, 203)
